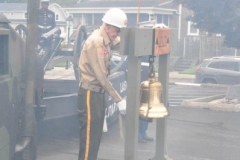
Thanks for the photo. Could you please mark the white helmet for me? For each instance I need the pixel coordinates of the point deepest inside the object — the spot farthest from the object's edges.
(115, 17)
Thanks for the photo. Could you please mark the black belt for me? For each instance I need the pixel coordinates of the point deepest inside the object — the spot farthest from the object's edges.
(91, 87)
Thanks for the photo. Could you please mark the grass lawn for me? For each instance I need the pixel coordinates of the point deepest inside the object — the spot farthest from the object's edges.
(190, 70)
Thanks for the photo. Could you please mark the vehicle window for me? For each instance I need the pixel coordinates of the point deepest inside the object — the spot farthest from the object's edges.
(3, 54)
(225, 65)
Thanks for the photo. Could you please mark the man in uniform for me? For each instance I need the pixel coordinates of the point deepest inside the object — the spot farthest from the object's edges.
(46, 20)
(94, 67)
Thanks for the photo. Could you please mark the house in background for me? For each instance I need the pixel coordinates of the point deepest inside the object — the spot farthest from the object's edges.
(90, 13)
(17, 14)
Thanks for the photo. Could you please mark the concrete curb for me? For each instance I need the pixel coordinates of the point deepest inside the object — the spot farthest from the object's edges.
(213, 86)
(204, 103)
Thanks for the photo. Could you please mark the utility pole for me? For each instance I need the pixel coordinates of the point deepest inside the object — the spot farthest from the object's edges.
(31, 64)
(29, 121)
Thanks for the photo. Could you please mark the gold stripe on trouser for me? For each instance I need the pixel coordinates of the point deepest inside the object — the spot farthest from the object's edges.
(88, 128)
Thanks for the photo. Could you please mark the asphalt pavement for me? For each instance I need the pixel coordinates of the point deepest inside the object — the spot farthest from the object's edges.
(191, 134)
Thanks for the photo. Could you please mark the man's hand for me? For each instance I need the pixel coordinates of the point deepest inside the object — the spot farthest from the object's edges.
(122, 106)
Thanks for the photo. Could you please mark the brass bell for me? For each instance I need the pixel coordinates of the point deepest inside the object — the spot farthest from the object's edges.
(151, 105)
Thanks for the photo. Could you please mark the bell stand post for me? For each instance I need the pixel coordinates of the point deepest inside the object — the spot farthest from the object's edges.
(137, 42)
(163, 78)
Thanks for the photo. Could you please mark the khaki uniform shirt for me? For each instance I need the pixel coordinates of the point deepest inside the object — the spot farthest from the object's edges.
(95, 61)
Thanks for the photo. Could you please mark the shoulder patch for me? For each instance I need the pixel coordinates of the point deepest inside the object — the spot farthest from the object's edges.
(100, 52)
(106, 52)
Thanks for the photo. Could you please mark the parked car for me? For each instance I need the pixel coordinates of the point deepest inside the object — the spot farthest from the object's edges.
(219, 70)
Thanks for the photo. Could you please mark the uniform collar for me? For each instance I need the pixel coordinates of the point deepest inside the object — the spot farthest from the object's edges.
(105, 36)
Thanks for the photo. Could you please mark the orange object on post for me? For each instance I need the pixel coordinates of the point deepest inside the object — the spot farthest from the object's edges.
(161, 43)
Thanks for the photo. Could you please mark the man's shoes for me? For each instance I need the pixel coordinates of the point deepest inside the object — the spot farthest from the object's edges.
(150, 139)
(141, 140)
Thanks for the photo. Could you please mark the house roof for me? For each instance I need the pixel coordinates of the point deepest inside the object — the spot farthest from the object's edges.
(117, 3)
(129, 6)
(8, 7)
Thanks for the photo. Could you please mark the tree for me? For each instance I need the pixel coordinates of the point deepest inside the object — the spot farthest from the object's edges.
(217, 16)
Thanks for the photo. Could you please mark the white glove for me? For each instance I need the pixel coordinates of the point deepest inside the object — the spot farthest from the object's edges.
(122, 106)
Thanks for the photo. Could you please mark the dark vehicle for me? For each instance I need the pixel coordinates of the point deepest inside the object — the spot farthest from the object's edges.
(21, 100)
(219, 70)
(123, 67)
(13, 113)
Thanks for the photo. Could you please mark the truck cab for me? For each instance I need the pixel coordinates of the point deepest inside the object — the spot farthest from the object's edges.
(12, 74)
